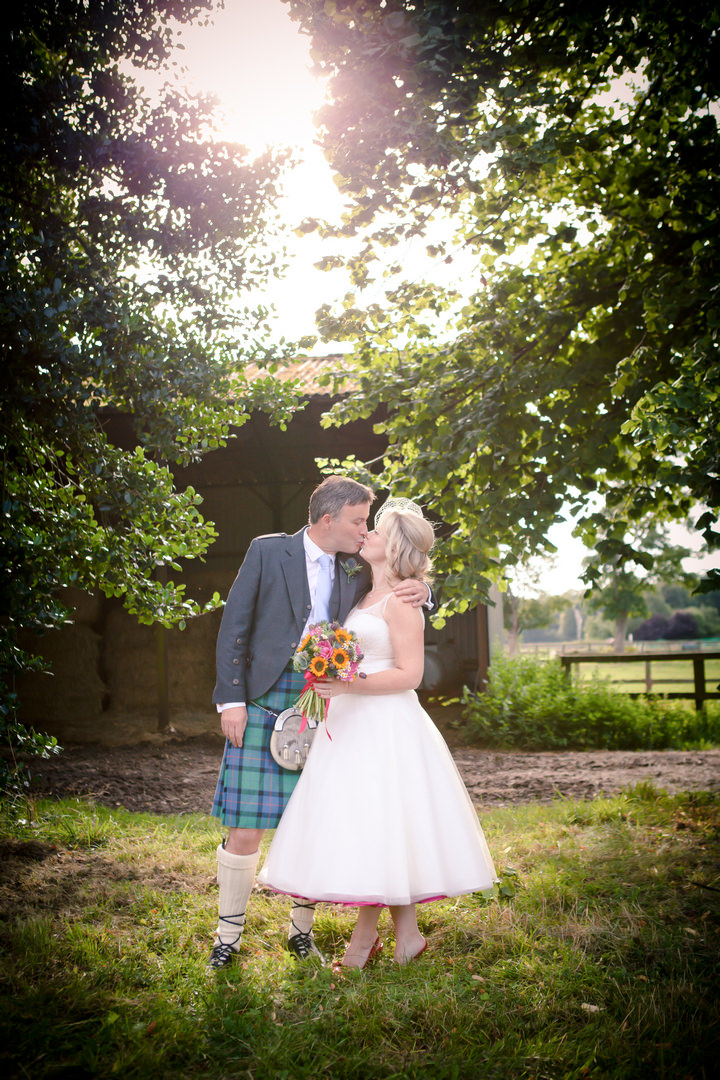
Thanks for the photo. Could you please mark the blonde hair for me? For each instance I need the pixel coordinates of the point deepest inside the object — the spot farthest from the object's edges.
(408, 539)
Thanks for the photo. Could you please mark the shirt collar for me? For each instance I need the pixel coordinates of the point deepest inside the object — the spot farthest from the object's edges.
(312, 551)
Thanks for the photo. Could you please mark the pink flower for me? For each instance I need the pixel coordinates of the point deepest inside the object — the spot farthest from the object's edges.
(327, 651)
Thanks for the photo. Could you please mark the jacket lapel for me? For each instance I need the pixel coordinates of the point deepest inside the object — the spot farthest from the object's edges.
(296, 582)
(345, 588)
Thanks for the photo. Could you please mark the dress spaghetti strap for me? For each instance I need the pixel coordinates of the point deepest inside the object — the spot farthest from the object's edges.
(371, 607)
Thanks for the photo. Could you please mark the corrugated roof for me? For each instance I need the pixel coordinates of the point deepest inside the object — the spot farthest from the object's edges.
(307, 370)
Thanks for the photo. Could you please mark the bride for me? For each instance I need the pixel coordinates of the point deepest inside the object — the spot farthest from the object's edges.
(380, 816)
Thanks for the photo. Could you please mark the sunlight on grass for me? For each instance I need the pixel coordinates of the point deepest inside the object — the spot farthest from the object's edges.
(598, 957)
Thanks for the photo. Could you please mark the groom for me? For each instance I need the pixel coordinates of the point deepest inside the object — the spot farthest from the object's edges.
(284, 584)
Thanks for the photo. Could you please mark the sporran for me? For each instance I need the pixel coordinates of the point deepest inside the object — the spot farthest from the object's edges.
(289, 745)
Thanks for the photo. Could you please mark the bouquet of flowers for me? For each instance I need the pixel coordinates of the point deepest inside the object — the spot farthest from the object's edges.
(327, 651)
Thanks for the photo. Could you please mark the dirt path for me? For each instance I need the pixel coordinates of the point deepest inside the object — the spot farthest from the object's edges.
(179, 775)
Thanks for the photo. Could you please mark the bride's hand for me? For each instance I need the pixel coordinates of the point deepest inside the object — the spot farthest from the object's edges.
(328, 688)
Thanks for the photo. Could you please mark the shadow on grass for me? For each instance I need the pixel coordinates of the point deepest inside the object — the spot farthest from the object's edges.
(603, 963)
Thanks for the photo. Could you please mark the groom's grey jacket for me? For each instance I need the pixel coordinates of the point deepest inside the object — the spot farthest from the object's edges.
(266, 611)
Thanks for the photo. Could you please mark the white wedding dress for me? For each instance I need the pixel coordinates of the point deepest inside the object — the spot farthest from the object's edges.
(380, 814)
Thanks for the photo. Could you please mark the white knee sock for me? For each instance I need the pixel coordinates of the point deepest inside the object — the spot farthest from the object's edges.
(301, 917)
(235, 875)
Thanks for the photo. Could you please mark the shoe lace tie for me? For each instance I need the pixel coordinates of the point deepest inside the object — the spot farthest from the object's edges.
(221, 954)
(302, 943)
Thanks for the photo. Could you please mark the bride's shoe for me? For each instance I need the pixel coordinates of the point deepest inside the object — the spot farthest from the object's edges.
(364, 959)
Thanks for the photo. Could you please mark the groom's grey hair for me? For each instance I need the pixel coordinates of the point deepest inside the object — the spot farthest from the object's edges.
(333, 493)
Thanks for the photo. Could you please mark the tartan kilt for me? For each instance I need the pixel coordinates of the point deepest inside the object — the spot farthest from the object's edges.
(252, 789)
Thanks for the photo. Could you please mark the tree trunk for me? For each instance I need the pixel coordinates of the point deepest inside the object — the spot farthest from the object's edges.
(620, 628)
(513, 627)
(579, 622)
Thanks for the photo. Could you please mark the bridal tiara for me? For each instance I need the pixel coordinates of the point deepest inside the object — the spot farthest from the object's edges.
(398, 504)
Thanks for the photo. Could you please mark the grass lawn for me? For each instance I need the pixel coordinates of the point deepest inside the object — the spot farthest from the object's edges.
(597, 958)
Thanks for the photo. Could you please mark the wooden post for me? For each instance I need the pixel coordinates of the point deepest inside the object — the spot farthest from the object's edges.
(699, 680)
(483, 645)
(648, 676)
(161, 659)
(163, 705)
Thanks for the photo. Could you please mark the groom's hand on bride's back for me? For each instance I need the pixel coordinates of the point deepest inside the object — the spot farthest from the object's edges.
(412, 591)
(233, 723)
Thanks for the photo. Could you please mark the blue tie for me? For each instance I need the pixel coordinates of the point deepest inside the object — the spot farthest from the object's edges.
(323, 589)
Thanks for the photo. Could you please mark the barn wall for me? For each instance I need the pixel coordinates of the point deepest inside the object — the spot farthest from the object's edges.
(106, 686)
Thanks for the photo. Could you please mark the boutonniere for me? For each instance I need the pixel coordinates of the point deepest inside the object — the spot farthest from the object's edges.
(351, 567)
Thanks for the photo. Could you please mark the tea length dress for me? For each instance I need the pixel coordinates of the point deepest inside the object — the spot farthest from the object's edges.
(380, 814)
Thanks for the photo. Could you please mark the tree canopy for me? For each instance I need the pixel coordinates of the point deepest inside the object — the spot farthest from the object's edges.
(129, 234)
(569, 155)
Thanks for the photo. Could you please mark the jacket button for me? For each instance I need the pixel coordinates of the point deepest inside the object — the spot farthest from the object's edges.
(293, 644)
(236, 682)
(236, 661)
(309, 607)
(239, 641)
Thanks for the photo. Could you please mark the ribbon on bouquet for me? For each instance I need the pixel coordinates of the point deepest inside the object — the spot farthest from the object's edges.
(311, 704)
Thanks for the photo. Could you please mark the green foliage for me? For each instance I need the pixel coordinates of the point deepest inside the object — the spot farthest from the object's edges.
(668, 599)
(531, 705)
(21, 742)
(601, 965)
(708, 621)
(619, 592)
(529, 612)
(129, 236)
(574, 149)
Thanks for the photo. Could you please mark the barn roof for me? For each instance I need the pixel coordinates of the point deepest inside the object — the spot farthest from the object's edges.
(308, 371)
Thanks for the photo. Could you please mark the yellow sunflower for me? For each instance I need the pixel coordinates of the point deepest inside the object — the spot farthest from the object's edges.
(318, 666)
(342, 635)
(340, 659)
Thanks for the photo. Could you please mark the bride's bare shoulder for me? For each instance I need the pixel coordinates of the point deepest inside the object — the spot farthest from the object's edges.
(401, 613)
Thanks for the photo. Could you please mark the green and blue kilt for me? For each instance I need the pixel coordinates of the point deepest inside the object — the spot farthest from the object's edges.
(252, 789)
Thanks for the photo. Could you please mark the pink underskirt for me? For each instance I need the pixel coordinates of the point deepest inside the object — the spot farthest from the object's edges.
(356, 903)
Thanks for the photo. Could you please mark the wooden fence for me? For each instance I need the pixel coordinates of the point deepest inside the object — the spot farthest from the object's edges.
(550, 649)
(700, 693)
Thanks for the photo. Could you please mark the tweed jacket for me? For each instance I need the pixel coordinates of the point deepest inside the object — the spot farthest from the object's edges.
(266, 611)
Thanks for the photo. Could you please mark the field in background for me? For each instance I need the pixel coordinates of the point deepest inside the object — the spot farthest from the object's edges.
(666, 675)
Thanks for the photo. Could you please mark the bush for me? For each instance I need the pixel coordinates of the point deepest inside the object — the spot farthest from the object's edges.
(653, 629)
(683, 624)
(17, 743)
(531, 705)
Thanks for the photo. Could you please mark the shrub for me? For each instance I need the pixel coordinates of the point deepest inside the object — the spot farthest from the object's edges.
(653, 629)
(531, 705)
(683, 624)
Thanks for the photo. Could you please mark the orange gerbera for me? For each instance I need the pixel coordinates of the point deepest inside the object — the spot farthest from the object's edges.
(318, 666)
(342, 635)
(340, 659)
